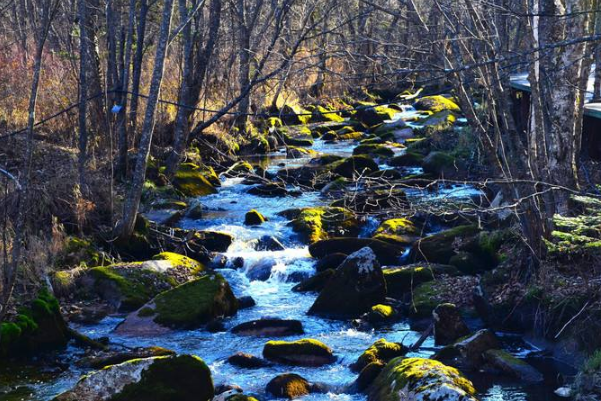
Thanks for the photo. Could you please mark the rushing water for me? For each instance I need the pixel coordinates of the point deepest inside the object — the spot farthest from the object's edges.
(225, 212)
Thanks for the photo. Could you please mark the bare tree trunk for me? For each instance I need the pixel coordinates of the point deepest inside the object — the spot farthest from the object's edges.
(193, 79)
(83, 92)
(124, 86)
(137, 67)
(132, 202)
(244, 58)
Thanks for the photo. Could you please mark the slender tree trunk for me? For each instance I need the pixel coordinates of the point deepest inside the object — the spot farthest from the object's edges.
(132, 202)
(244, 58)
(193, 79)
(83, 93)
(137, 67)
(121, 117)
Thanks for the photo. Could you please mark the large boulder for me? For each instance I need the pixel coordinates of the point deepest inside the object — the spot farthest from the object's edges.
(187, 306)
(381, 351)
(168, 378)
(38, 327)
(400, 231)
(288, 385)
(448, 324)
(305, 352)
(190, 180)
(375, 115)
(386, 253)
(254, 218)
(214, 241)
(357, 285)
(128, 286)
(318, 223)
(420, 379)
(436, 103)
(269, 328)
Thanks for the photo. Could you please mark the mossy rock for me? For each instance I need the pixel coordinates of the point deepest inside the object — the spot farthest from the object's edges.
(195, 303)
(190, 181)
(380, 351)
(512, 366)
(358, 284)
(240, 168)
(315, 224)
(407, 159)
(401, 280)
(440, 247)
(305, 352)
(326, 159)
(350, 136)
(448, 324)
(295, 152)
(367, 375)
(254, 218)
(436, 104)
(381, 313)
(165, 378)
(292, 114)
(439, 163)
(321, 114)
(440, 121)
(425, 300)
(425, 378)
(297, 141)
(288, 385)
(128, 286)
(375, 115)
(398, 226)
(178, 261)
(374, 150)
(355, 166)
(214, 241)
(38, 327)
(210, 174)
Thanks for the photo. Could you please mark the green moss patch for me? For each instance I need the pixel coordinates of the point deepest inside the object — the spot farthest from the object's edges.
(195, 303)
(182, 378)
(315, 224)
(190, 180)
(301, 352)
(380, 351)
(436, 104)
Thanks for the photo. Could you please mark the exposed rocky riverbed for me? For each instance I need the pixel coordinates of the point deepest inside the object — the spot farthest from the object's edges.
(360, 294)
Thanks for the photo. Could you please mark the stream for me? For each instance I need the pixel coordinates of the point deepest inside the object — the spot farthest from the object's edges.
(274, 298)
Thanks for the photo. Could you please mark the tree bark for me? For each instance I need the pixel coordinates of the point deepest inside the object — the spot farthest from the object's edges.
(132, 202)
